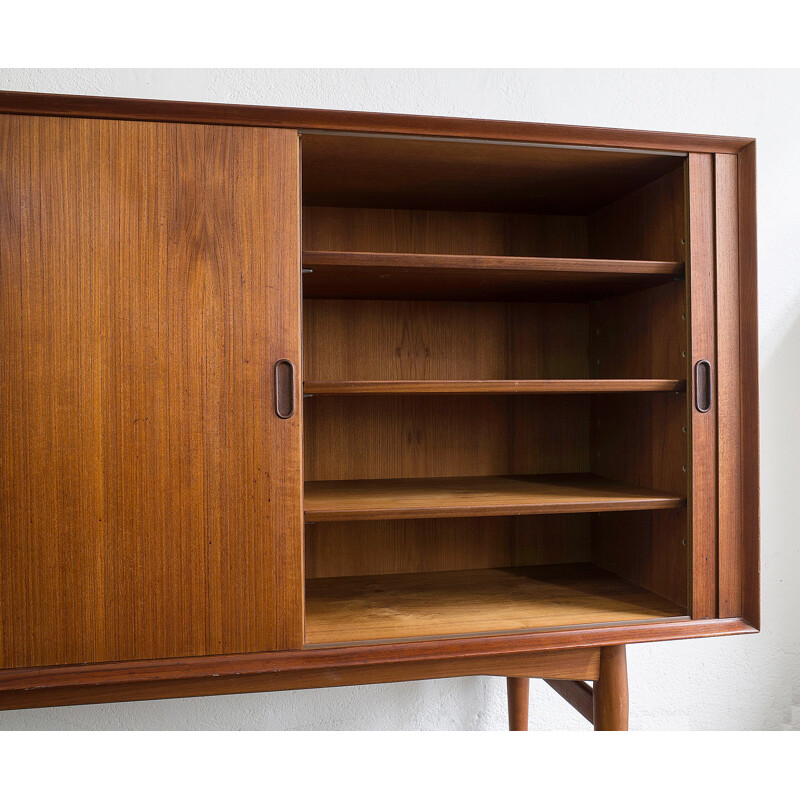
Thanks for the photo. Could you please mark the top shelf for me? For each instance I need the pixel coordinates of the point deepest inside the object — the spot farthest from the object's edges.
(345, 274)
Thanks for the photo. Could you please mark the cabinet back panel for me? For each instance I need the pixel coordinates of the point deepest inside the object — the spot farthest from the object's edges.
(335, 549)
(444, 436)
(399, 230)
(417, 340)
(640, 335)
(147, 282)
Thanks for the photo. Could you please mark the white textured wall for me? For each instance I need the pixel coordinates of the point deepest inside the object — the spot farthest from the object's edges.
(747, 682)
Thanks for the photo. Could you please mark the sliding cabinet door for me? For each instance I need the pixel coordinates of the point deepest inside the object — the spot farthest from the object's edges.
(703, 400)
(150, 497)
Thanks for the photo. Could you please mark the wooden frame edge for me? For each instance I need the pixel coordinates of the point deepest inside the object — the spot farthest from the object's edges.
(360, 122)
(524, 654)
(748, 358)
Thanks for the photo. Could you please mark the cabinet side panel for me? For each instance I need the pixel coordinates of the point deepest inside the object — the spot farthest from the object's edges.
(729, 548)
(150, 497)
(703, 426)
(748, 354)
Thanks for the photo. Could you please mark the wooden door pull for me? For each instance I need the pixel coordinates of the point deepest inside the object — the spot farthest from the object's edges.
(702, 386)
(284, 388)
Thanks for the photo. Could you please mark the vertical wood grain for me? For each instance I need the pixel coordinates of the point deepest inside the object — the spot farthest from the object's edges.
(748, 359)
(422, 340)
(703, 463)
(399, 230)
(729, 548)
(396, 436)
(649, 223)
(383, 547)
(643, 440)
(640, 334)
(611, 690)
(518, 690)
(151, 499)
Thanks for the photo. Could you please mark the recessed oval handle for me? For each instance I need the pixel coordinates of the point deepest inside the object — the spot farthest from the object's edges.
(702, 386)
(284, 388)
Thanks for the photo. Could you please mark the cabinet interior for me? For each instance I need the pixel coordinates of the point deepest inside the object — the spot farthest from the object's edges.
(494, 369)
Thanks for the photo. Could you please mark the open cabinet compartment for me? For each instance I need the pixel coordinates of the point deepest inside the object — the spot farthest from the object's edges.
(495, 372)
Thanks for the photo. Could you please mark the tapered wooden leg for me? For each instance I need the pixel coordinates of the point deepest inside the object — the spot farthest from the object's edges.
(518, 693)
(611, 691)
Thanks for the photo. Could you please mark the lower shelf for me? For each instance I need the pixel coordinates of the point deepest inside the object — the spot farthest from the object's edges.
(412, 606)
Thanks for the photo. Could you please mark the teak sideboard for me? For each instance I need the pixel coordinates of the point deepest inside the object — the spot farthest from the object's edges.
(301, 398)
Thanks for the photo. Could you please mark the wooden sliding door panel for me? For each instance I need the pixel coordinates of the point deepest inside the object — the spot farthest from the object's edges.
(703, 463)
(150, 498)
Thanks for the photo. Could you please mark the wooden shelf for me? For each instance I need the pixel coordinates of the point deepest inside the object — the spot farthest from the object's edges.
(577, 386)
(419, 605)
(489, 496)
(344, 274)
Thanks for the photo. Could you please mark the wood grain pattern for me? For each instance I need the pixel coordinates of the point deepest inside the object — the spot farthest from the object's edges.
(729, 548)
(414, 172)
(379, 547)
(377, 437)
(399, 230)
(327, 666)
(703, 461)
(235, 675)
(489, 265)
(649, 223)
(642, 440)
(578, 694)
(640, 335)
(748, 360)
(476, 496)
(639, 439)
(345, 274)
(327, 119)
(370, 608)
(151, 500)
(550, 386)
(518, 690)
(646, 548)
(160, 289)
(610, 692)
(357, 340)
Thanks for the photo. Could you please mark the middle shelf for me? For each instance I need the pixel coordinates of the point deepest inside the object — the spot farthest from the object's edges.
(486, 496)
(570, 386)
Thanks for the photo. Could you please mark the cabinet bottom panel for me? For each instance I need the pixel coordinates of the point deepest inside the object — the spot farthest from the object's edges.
(457, 603)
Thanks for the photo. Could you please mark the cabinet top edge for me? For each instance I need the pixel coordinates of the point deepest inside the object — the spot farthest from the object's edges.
(123, 108)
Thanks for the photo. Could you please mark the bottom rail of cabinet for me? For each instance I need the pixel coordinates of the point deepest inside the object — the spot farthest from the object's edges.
(554, 655)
